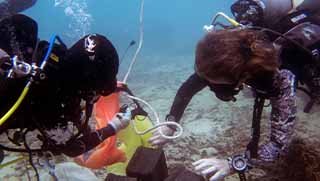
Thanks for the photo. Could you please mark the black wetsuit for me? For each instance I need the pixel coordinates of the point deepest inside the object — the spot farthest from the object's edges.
(71, 76)
(187, 90)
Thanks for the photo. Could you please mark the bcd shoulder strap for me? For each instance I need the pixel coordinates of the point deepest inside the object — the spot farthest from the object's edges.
(252, 147)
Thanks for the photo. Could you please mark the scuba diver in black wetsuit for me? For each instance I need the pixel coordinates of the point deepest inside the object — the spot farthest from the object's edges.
(11, 7)
(248, 58)
(298, 21)
(293, 27)
(58, 88)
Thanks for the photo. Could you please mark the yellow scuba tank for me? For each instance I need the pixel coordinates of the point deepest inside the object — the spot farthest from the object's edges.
(128, 141)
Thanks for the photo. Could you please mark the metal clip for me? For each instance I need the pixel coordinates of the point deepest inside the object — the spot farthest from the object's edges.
(19, 68)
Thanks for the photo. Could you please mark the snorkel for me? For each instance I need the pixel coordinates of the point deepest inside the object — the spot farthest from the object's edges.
(212, 26)
(236, 24)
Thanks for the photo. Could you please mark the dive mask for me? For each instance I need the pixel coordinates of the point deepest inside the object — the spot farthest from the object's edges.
(225, 92)
(248, 12)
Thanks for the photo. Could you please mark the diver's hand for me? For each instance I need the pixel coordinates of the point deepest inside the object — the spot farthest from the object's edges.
(157, 140)
(212, 168)
(121, 120)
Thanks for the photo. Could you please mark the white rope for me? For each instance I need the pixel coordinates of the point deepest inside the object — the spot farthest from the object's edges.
(159, 124)
(140, 44)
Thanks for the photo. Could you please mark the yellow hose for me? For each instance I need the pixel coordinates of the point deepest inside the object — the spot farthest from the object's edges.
(12, 162)
(26, 88)
(16, 105)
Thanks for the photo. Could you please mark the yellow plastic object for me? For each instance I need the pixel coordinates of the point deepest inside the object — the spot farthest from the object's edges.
(129, 141)
(16, 105)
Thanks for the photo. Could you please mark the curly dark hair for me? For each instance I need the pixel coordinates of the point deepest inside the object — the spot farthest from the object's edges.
(231, 55)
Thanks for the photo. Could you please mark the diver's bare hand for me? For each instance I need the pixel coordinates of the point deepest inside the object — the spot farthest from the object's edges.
(212, 168)
(157, 140)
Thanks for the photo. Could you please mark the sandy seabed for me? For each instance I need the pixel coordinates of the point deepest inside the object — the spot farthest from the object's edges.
(212, 128)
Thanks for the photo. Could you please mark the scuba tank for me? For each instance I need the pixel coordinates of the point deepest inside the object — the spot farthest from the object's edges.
(274, 10)
(289, 13)
(268, 13)
(302, 25)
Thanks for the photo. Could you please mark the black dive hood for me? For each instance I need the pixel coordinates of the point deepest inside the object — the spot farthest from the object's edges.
(20, 32)
(92, 66)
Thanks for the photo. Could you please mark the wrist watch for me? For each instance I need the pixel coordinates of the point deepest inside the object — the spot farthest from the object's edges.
(239, 163)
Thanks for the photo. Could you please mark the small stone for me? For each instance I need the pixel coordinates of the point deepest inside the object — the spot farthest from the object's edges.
(208, 152)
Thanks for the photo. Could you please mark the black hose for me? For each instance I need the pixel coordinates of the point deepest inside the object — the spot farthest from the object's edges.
(30, 155)
(125, 52)
(305, 91)
(283, 36)
(84, 126)
(20, 150)
(61, 42)
(33, 59)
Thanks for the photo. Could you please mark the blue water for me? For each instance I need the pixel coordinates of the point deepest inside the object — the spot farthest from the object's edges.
(171, 28)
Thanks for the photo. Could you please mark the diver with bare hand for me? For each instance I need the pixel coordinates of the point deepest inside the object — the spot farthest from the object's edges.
(275, 47)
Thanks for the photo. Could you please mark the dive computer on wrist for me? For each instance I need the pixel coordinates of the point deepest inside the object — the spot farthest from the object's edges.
(239, 163)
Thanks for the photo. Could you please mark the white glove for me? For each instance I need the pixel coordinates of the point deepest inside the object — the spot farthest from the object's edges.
(214, 168)
(157, 140)
(121, 120)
